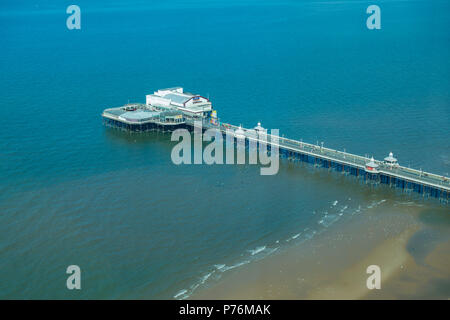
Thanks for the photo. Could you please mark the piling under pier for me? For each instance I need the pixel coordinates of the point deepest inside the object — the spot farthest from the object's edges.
(428, 185)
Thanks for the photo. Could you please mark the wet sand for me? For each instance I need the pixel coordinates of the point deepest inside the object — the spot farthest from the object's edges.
(411, 250)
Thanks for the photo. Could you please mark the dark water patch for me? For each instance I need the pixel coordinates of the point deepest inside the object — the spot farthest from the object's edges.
(423, 242)
(435, 216)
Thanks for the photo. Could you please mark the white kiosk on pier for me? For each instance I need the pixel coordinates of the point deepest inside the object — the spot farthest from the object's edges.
(371, 166)
(390, 161)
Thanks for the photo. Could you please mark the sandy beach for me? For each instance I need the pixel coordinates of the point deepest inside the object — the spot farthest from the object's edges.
(333, 264)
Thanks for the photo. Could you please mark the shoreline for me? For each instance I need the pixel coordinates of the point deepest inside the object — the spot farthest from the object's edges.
(333, 264)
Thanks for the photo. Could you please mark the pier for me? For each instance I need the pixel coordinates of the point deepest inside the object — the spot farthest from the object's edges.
(172, 108)
(426, 184)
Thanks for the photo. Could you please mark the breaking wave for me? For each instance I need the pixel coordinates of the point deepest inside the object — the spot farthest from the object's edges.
(326, 220)
(257, 250)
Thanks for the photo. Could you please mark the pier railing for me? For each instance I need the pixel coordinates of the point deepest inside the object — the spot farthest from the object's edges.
(317, 151)
(346, 158)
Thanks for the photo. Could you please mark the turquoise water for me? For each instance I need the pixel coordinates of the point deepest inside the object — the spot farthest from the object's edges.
(75, 192)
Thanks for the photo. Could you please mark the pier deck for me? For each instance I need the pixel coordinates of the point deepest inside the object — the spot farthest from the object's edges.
(407, 179)
(425, 183)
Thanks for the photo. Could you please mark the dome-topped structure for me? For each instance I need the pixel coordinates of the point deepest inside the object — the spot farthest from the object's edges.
(262, 133)
(372, 166)
(390, 160)
(259, 127)
(239, 133)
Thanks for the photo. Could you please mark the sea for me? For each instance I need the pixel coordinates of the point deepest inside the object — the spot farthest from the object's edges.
(74, 192)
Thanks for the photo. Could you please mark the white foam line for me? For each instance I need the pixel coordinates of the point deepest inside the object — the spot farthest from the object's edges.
(219, 266)
(206, 277)
(375, 203)
(226, 268)
(180, 293)
(185, 293)
(258, 250)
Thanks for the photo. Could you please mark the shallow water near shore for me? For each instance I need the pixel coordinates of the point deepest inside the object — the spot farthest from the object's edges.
(75, 192)
(333, 264)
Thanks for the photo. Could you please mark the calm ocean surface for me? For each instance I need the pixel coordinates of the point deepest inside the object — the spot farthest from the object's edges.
(75, 192)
